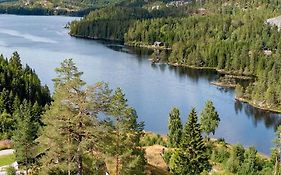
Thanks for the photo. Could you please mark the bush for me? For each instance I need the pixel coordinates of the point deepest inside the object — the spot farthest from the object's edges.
(152, 139)
(238, 151)
(11, 170)
(233, 164)
(220, 154)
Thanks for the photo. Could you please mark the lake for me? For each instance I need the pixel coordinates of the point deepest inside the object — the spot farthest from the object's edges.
(43, 42)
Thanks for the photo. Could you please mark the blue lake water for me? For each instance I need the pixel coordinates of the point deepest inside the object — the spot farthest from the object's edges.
(43, 42)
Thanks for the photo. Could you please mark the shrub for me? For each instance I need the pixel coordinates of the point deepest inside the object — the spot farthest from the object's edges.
(11, 170)
(152, 139)
(220, 154)
(233, 164)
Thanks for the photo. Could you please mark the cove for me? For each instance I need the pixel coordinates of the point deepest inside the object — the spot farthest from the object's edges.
(43, 42)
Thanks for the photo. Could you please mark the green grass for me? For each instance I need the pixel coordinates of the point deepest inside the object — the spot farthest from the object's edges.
(7, 159)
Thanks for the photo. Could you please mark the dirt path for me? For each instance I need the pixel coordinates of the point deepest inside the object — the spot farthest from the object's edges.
(6, 152)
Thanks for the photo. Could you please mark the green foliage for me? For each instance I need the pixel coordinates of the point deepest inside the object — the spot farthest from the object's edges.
(112, 23)
(152, 139)
(17, 84)
(249, 165)
(70, 122)
(167, 156)
(125, 134)
(191, 157)
(7, 124)
(24, 135)
(11, 170)
(220, 154)
(174, 129)
(236, 159)
(209, 119)
(75, 140)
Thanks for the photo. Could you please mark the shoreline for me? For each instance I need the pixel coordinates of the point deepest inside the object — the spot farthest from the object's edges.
(97, 39)
(253, 104)
(146, 46)
(220, 71)
(221, 84)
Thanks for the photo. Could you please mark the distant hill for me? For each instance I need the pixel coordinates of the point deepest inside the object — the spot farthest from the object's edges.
(60, 4)
(75, 5)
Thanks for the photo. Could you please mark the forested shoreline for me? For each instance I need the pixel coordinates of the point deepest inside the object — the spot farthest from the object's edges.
(234, 39)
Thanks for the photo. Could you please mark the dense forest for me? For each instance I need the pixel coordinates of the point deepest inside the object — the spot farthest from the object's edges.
(19, 85)
(113, 23)
(231, 37)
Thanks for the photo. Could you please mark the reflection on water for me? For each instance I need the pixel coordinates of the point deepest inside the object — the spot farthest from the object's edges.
(183, 72)
(270, 119)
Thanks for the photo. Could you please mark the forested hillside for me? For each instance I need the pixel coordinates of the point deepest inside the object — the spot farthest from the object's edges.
(230, 36)
(19, 85)
(66, 7)
(112, 23)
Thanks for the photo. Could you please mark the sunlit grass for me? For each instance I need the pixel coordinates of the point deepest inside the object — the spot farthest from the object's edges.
(7, 159)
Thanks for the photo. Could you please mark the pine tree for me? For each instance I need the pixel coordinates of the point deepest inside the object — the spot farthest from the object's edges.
(175, 128)
(125, 135)
(71, 128)
(209, 120)
(191, 158)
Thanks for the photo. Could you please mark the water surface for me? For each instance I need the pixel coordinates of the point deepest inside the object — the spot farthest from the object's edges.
(153, 90)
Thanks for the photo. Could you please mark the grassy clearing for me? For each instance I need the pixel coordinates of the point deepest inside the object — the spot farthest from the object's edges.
(7, 159)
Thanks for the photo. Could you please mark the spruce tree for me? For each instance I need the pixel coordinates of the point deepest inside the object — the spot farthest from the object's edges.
(175, 128)
(250, 164)
(209, 120)
(24, 137)
(191, 158)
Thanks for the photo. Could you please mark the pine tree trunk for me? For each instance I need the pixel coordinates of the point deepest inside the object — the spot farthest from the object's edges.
(68, 156)
(117, 150)
(277, 165)
(26, 161)
(80, 165)
(79, 151)
(117, 165)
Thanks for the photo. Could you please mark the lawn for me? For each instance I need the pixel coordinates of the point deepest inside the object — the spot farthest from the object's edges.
(7, 159)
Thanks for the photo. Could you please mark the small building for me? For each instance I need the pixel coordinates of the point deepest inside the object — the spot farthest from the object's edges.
(158, 44)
